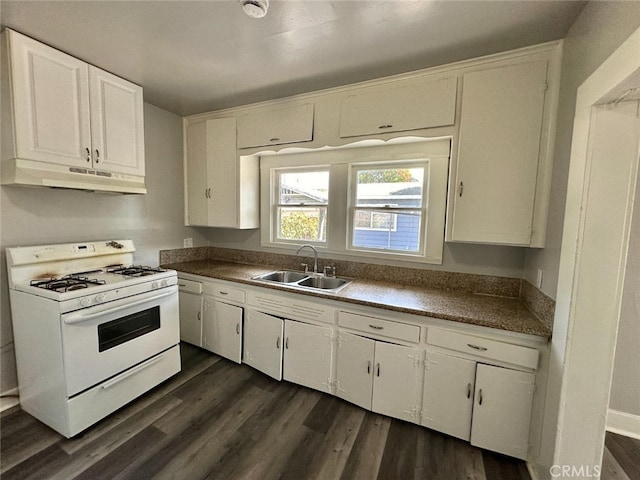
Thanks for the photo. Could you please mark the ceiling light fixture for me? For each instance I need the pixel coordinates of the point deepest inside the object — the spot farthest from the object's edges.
(255, 8)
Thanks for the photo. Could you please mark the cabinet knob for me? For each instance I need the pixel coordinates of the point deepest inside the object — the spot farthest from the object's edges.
(476, 347)
(238, 329)
(384, 127)
(97, 156)
(378, 369)
(460, 189)
(198, 316)
(368, 366)
(468, 390)
(278, 343)
(286, 343)
(88, 154)
(480, 397)
(274, 139)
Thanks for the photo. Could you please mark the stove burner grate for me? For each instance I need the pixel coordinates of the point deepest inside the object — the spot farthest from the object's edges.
(135, 270)
(67, 283)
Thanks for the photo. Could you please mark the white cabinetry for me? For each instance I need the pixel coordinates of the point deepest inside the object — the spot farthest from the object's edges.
(489, 405)
(221, 189)
(404, 105)
(190, 294)
(263, 335)
(276, 126)
(502, 410)
(494, 192)
(377, 375)
(69, 113)
(308, 350)
(222, 329)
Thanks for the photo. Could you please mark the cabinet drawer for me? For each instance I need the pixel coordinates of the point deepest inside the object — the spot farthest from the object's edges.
(189, 286)
(377, 326)
(408, 105)
(225, 292)
(276, 126)
(483, 347)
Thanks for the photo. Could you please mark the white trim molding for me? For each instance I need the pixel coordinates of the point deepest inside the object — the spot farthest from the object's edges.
(623, 423)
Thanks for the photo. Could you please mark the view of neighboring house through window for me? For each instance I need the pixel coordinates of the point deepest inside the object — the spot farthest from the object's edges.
(388, 209)
(360, 201)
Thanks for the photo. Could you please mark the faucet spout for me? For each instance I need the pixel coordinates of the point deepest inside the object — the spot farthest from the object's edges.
(315, 255)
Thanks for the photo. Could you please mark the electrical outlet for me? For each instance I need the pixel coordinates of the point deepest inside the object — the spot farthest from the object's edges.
(539, 279)
(188, 242)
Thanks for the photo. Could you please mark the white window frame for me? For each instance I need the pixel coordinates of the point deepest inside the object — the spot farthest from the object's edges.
(397, 210)
(436, 153)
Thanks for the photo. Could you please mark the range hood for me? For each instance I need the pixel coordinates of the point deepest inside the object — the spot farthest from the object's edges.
(41, 174)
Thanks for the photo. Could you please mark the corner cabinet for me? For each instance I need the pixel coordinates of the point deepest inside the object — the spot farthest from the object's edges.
(221, 188)
(498, 185)
(69, 113)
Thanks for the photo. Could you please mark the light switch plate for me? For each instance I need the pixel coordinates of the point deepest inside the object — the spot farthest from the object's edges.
(188, 242)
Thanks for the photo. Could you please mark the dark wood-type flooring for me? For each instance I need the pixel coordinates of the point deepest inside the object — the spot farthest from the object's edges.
(219, 420)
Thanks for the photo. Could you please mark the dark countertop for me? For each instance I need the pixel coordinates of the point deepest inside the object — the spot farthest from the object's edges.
(502, 313)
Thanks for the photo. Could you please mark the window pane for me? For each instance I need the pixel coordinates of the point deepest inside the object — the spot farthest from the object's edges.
(304, 188)
(302, 223)
(387, 231)
(397, 187)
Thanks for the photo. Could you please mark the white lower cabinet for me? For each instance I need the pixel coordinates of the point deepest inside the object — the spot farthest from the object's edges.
(222, 329)
(263, 342)
(307, 355)
(190, 298)
(447, 399)
(488, 405)
(502, 410)
(379, 376)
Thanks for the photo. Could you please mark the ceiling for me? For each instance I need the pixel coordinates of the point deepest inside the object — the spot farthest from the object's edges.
(198, 56)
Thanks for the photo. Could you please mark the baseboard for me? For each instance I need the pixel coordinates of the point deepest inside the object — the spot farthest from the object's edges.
(9, 399)
(623, 423)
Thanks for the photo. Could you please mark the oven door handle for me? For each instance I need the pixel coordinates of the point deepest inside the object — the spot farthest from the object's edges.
(83, 317)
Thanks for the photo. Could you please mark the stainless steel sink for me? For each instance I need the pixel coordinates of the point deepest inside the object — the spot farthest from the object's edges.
(324, 283)
(282, 276)
(307, 281)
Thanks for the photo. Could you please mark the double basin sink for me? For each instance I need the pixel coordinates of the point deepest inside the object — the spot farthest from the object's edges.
(309, 281)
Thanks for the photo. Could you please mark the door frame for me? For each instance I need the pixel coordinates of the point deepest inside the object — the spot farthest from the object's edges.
(588, 303)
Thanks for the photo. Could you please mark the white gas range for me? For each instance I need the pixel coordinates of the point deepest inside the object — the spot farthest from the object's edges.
(91, 331)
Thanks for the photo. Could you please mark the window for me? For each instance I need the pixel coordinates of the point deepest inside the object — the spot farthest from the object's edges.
(301, 209)
(390, 197)
(358, 201)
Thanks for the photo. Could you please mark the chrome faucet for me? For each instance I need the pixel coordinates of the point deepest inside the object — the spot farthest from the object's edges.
(315, 255)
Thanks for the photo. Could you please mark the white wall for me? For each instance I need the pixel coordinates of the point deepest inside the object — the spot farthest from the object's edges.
(600, 28)
(457, 257)
(33, 216)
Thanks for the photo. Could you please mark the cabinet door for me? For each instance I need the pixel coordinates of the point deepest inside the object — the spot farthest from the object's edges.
(407, 105)
(308, 351)
(354, 369)
(502, 410)
(196, 182)
(263, 338)
(117, 123)
(222, 329)
(498, 154)
(447, 398)
(50, 102)
(191, 318)
(397, 383)
(222, 172)
(276, 126)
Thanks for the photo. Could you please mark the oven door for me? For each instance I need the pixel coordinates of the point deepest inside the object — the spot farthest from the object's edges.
(102, 341)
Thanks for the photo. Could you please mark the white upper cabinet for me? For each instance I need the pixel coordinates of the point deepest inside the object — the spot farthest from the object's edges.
(70, 113)
(50, 99)
(406, 105)
(117, 123)
(221, 189)
(276, 126)
(498, 155)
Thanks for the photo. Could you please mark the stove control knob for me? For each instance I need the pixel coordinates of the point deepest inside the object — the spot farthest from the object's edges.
(99, 298)
(164, 283)
(154, 285)
(85, 302)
